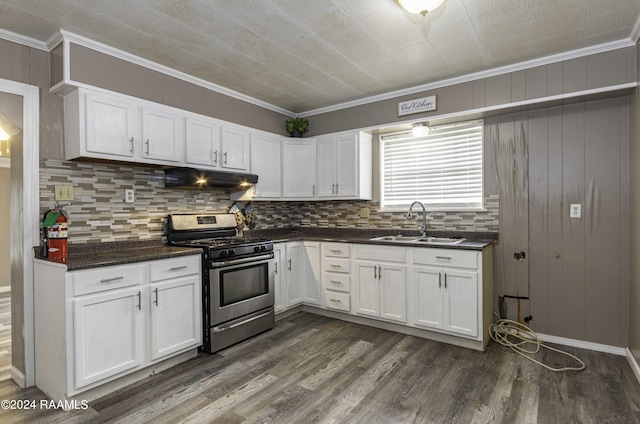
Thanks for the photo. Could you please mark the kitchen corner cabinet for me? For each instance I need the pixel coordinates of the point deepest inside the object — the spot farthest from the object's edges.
(297, 281)
(298, 168)
(381, 282)
(344, 166)
(98, 325)
(107, 126)
(266, 163)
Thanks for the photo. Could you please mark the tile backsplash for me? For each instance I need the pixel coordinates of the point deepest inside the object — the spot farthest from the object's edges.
(100, 214)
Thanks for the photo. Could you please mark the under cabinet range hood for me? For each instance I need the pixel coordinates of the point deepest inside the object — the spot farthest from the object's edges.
(196, 178)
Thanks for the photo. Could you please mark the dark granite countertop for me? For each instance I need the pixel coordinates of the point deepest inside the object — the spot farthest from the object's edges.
(94, 255)
(473, 240)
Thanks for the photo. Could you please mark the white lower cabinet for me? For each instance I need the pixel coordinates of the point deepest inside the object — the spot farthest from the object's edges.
(279, 280)
(297, 274)
(446, 291)
(381, 285)
(101, 324)
(310, 273)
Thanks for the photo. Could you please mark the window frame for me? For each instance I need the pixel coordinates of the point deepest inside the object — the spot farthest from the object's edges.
(431, 207)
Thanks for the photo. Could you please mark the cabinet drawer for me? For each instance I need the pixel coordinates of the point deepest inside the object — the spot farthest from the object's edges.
(381, 253)
(337, 265)
(339, 250)
(177, 267)
(335, 281)
(339, 301)
(446, 257)
(108, 278)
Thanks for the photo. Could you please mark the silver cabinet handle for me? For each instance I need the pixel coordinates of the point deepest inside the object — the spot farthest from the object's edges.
(336, 189)
(139, 300)
(225, 158)
(215, 160)
(445, 280)
(380, 272)
(335, 266)
(275, 264)
(289, 264)
(336, 282)
(335, 300)
(177, 268)
(446, 258)
(313, 190)
(146, 146)
(156, 301)
(108, 280)
(333, 189)
(439, 279)
(335, 251)
(375, 272)
(131, 145)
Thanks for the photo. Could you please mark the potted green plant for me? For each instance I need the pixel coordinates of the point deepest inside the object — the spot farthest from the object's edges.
(297, 126)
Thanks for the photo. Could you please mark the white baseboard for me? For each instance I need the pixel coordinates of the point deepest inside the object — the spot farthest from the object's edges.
(596, 347)
(633, 363)
(18, 377)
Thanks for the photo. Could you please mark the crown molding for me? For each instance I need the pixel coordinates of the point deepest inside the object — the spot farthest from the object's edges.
(21, 39)
(111, 51)
(520, 66)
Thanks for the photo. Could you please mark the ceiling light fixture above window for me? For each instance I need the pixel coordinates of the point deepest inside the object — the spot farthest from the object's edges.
(421, 7)
(420, 129)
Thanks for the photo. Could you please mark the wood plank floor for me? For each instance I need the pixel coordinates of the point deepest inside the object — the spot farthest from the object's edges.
(315, 369)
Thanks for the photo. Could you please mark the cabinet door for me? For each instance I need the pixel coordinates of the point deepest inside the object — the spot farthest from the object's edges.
(278, 280)
(265, 162)
(367, 290)
(461, 302)
(298, 168)
(347, 166)
(112, 126)
(310, 273)
(109, 334)
(294, 283)
(393, 293)
(234, 143)
(202, 142)
(175, 315)
(162, 135)
(428, 301)
(326, 153)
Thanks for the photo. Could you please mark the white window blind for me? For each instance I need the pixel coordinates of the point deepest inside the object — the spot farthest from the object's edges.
(443, 169)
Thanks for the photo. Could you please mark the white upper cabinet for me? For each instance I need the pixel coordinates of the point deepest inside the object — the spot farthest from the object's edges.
(162, 135)
(298, 168)
(202, 142)
(344, 166)
(110, 125)
(234, 142)
(266, 163)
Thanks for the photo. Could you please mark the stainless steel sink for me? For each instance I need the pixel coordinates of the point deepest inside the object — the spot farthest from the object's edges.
(400, 239)
(420, 240)
(438, 240)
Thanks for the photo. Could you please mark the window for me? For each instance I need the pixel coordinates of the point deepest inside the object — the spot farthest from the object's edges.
(443, 170)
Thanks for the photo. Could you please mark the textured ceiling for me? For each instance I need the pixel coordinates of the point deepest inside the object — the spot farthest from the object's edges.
(301, 55)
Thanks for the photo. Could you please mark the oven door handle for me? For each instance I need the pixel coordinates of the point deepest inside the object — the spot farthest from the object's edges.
(242, 261)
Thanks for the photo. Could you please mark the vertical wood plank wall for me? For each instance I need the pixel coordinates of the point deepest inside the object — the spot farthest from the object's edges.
(578, 268)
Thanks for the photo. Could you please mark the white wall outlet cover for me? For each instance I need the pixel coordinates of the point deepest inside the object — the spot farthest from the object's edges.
(575, 210)
(129, 195)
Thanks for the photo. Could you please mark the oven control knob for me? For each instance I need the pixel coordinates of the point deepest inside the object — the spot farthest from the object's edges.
(232, 252)
(224, 253)
(263, 248)
(256, 249)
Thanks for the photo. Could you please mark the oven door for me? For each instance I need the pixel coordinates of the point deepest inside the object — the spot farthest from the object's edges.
(240, 287)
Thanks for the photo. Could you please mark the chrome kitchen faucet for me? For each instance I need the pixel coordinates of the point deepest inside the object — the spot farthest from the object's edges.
(423, 229)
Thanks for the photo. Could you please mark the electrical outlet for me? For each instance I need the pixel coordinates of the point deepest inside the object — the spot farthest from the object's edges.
(575, 210)
(364, 212)
(63, 192)
(129, 195)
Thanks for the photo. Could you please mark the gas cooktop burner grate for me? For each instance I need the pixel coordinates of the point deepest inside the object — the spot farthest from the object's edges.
(223, 242)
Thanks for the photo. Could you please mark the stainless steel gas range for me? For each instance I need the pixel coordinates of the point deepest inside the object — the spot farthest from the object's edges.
(238, 284)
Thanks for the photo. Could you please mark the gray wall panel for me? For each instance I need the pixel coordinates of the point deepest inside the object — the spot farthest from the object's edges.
(634, 289)
(536, 82)
(574, 73)
(56, 68)
(608, 68)
(554, 78)
(518, 86)
(498, 90)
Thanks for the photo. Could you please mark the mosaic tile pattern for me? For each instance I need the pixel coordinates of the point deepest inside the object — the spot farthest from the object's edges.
(346, 214)
(100, 214)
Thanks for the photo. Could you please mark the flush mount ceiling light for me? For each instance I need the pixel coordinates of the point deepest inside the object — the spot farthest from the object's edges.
(421, 7)
(420, 129)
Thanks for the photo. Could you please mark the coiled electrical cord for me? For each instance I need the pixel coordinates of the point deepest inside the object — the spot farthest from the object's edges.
(502, 330)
